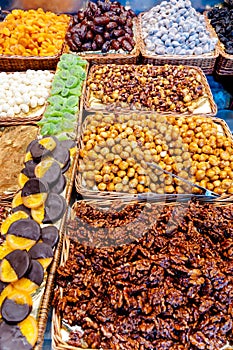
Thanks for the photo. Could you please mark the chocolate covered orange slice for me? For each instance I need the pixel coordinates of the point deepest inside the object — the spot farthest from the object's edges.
(16, 306)
(23, 234)
(32, 279)
(42, 147)
(22, 179)
(29, 169)
(38, 214)
(34, 193)
(29, 329)
(14, 265)
(4, 249)
(55, 207)
(50, 235)
(48, 170)
(43, 253)
(59, 186)
(12, 218)
(12, 337)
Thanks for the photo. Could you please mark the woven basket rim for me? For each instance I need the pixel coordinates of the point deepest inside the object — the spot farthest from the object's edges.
(87, 193)
(36, 58)
(107, 107)
(175, 57)
(95, 56)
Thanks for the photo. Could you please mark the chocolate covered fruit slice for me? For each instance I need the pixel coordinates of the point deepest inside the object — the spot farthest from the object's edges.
(48, 170)
(29, 168)
(22, 179)
(32, 279)
(50, 235)
(23, 234)
(55, 207)
(34, 193)
(61, 154)
(5, 289)
(14, 265)
(12, 337)
(42, 147)
(38, 214)
(12, 218)
(17, 200)
(16, 306)
(43, 253)
(29, 329)
(59, 186)
(22, 207)
(4, 249)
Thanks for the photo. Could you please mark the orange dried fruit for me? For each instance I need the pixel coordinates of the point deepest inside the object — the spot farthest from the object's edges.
(29, 328)
(33, 278)
(23, 234)
(34, 193)
(38, 214)
(17, 200)
(14, 266)
(5, 290)
(22, 179)
(16, 306)
(12, 218)
(4, 249)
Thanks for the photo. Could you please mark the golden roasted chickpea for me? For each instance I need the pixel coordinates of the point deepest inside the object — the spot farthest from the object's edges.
(217, 183)
(133, 183)
(140, 188)
(92, 155)
(117, 161)
(121, 173)
(193, 147)
(98, 178)
(223, 174)
(90, 184)
(213, 160)
(219, 190)
(179, 190)
(116, 180)
(226, 183)
(110, 157)
(106, 169)
(203, 166)
(177, 167)
(119, 187)
(230, 190)
(200, 174)
(110, 142)
(123, 165)
(224, 155)
(169, 189)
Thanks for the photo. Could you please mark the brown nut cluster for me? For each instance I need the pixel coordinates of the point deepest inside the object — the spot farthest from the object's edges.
(168, 288)
(102, 26)
(146, 87)
(116, 149)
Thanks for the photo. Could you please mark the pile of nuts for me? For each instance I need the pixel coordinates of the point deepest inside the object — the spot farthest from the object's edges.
(102, 26)
(169, 288)
(146, 87)
(221, 19)
(116, 149)
(32, 33)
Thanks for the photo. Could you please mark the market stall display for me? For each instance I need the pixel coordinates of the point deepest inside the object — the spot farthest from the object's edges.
(32, 39)
(221, 20)
(168, 287)
(23, 95)
(104, 32)
(61, 116)
(174, 32)
(175, 89)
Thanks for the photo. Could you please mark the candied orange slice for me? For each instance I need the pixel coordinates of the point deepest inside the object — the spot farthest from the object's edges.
(4, 250)
(16, 306)
(43, 167)
(38, 214)
(29, 329)
(20, 297)
(12, 218)
(16, 242)
(22, 179)
(48, 142)
(9, 275)
(17, 200)
(35, 200)
(28, 157)
(6, 291)
(45, 262)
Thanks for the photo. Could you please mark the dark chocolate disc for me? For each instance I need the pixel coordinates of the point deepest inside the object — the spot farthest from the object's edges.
(34, 186)
(11, 337)
(68, 144)
(26, 228)
(28, 149)
(50, 235)
(61, 155)
(29, 169)
(53, 173)
(22, 207)
(14, 312)
(59, 186)
(66, 167)
(19, 261)
(40, 251)
(55, 207)
(35, 273)
(38, 151)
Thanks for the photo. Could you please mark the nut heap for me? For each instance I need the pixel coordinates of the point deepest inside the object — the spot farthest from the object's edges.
(166, 88)
(116, 148)
(102, 27)
(169, 289)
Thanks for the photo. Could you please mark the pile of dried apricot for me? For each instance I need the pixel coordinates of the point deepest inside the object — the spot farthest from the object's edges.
(33, 33)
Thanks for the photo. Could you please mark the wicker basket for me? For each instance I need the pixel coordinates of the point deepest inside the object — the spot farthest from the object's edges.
(117, 58)
(58, 342)
(224, 64)
(206, 62)
(109, 107)
(87, 193)
(11, 63)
